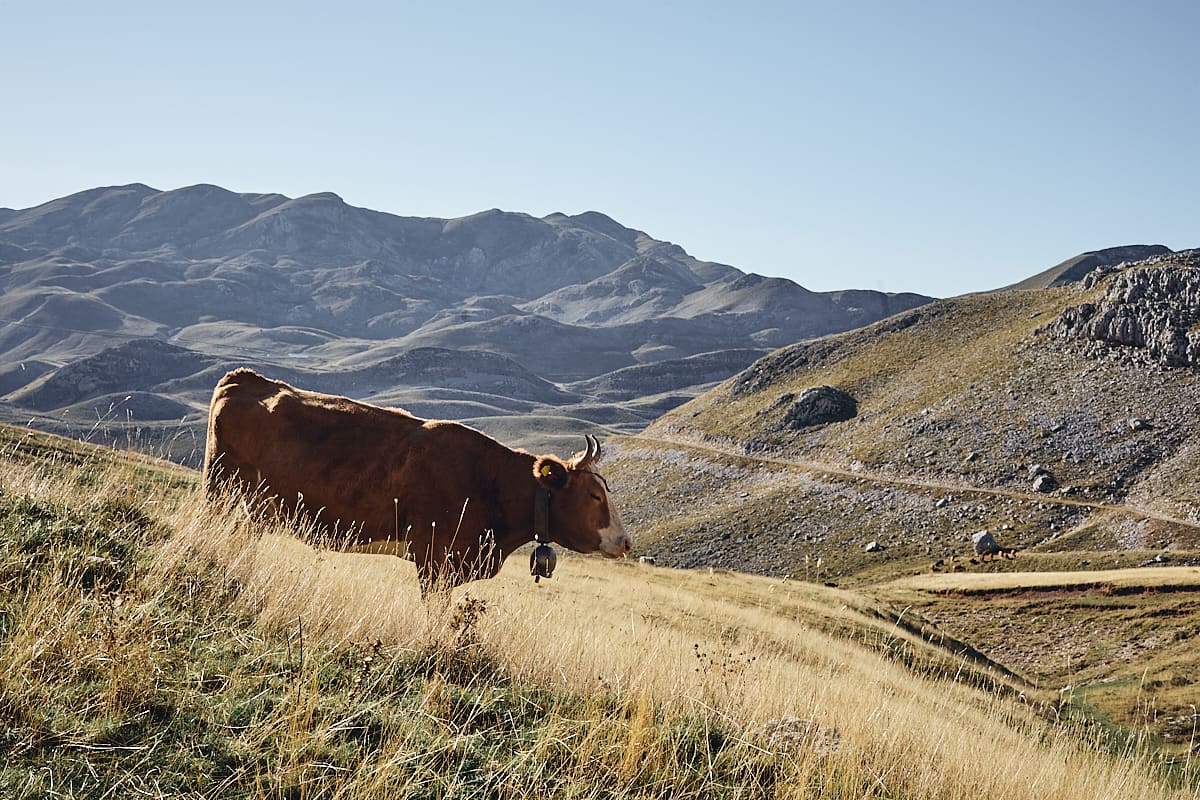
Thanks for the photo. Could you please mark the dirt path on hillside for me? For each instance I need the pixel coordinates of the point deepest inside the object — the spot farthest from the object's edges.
(843, 472)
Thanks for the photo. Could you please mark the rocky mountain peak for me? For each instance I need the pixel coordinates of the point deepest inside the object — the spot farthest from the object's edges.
(607, 226)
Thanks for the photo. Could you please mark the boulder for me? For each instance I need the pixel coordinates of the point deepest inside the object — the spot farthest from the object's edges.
(874, 547)
(1045, 483)
(985, 544)
(818, 406)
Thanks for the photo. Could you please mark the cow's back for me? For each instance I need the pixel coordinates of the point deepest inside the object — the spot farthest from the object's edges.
(303, 446)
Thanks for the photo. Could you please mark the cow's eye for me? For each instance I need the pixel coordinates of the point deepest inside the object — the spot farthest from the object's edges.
(596, 496)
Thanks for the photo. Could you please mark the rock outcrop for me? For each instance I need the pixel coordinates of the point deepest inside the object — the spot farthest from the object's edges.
(817, 406)
(1154, 306)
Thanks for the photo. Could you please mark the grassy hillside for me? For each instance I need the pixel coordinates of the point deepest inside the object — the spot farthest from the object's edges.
(976, 391)
(150, 646)
(961, 406)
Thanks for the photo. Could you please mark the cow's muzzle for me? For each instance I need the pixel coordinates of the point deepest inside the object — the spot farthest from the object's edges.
(615, 544)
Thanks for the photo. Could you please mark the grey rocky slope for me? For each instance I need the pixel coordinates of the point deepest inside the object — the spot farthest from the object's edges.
(312, 285)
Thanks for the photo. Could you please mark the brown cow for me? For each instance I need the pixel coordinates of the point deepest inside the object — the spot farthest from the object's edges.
(383, 480)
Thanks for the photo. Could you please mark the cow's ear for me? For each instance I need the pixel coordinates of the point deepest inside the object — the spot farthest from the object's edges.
(550, 472)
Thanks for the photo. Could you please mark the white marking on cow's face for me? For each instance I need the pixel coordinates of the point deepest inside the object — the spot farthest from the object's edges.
(614, 541)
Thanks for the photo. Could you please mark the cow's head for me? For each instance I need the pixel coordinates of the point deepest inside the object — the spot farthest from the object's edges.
(582, 516)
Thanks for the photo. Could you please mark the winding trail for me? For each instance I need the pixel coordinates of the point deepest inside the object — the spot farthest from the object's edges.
(958, 488)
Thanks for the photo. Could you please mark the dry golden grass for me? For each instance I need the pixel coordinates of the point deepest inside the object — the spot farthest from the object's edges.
(1143, 577)
(219, 659)
(736, 649)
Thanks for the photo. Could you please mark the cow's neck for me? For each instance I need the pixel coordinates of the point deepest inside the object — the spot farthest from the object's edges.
(519, 511)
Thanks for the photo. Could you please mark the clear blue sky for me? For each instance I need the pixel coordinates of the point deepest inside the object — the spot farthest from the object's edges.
(936, 147)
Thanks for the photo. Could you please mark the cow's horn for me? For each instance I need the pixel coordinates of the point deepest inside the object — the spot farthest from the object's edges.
(593, 448)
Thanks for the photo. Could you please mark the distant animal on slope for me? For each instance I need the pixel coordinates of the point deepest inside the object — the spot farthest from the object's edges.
(987, 547)
(455, 499)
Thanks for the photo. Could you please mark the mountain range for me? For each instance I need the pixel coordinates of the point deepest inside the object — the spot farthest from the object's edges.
(124, 304)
